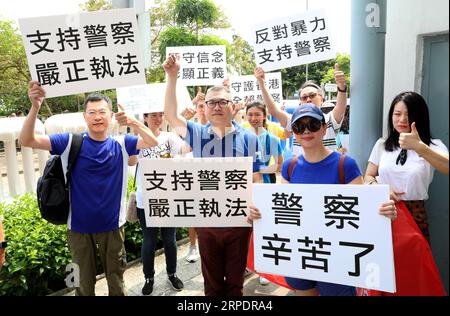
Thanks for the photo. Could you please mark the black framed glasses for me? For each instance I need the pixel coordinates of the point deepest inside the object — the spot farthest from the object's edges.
(213, 103)
(312, 126)
(401, 159)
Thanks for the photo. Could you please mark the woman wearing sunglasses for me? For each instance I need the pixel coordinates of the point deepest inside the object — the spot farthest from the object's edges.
(406, 160)
(319, 165)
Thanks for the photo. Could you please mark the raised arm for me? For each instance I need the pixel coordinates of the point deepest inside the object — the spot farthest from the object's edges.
(273, 108)
(341, 102)
(412, 141)
(27, 136)
(176, 121)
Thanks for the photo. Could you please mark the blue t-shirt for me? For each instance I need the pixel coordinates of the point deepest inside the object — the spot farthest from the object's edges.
(238, 143)
(99, 181)
(323, 172)
(271, 146)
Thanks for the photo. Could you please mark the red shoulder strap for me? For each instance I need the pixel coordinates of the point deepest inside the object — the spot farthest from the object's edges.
(291, 167)
(341, 169)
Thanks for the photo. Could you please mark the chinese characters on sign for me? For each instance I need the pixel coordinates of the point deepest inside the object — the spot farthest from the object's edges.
(194, 192)
(247, 89)
(94, 51)
(329, 233)
(150, 98)
(292, 41)
(201, 65)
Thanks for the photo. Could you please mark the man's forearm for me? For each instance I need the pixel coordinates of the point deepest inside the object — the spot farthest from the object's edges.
(171, 102)
(273, 108)
(341, 107)
(26, 136)
(145, 133)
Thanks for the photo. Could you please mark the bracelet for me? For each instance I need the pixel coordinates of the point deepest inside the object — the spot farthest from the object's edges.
(371, 181)
(344, 90)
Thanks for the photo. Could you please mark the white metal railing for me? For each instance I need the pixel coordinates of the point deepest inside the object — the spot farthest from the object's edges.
(9, 132)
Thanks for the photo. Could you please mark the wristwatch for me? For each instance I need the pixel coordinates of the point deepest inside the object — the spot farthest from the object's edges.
(344, 90)
(3, 244)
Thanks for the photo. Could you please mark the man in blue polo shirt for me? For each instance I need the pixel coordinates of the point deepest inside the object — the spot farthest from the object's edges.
(223, 251)
(97, 188)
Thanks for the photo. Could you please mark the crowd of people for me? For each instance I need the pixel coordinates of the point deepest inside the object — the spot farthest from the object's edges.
(406, 161)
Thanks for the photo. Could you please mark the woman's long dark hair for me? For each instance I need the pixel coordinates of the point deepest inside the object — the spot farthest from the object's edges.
(417, 112)
(260, 106)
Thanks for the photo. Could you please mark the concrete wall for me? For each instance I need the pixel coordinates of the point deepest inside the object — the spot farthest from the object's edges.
(407, 22)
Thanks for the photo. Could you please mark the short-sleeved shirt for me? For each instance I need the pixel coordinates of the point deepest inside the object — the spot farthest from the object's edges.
(272, 127)
(98, 183)
(270, 149)
(323, 172)
(169, 146)
(413, 178)
(329, 140)
(238, 142)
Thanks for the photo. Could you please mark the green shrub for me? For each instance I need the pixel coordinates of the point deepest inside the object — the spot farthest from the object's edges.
(37, 252)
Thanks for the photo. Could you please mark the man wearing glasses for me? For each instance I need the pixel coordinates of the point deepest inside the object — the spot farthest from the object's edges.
(311, 93)
(223, 251)
(97, 187)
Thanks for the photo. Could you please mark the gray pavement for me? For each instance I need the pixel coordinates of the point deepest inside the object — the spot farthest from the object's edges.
(189, 273)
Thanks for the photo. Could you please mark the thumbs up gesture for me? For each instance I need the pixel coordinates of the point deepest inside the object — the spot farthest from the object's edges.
(410, 140)
(339, 77)
(122, 118)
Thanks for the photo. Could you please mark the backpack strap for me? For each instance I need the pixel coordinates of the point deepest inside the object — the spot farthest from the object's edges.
(291, 167)
(341, 169)
(75, 147)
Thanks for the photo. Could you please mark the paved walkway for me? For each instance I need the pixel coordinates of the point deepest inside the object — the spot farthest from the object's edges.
(189, 273)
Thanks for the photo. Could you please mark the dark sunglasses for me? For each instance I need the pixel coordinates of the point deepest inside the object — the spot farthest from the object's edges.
(312, 126)
(401, 159)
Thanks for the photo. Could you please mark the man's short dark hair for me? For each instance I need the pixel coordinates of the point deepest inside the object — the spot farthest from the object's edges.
(95, 97)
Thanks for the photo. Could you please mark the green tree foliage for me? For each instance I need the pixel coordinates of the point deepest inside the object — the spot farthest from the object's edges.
(241, 59)
(96, 5)
(344, 64)
(320, 73)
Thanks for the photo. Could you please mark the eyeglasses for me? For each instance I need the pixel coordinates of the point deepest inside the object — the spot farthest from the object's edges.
(213, 103)
(402, 157)
(312, 126)
(101, 113)
(310, 96)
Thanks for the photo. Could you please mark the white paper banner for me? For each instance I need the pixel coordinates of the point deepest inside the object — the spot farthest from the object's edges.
(201, 65)
(83, 52)
(196, 192)
(296, 40)
(150, 98)
(328, 233)
(247, 89)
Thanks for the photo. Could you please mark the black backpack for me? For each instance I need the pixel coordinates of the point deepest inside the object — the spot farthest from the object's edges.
(52, 190)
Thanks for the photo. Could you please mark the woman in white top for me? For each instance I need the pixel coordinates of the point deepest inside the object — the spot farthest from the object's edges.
(170, 145)
(406, 160)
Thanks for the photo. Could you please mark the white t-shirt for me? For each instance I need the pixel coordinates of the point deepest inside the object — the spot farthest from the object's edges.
(413, 178)
(170, 146)
(329, 140)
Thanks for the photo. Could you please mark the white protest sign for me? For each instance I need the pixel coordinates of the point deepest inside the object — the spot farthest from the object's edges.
(150, 98)
(328, 233)
(201, 65)
(83, 52)
(331, 87)
(296, 40)
(196, 192)
(247, 89)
